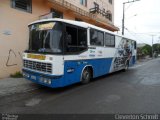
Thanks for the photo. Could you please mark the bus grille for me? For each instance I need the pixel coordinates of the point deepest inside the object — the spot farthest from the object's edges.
(38, 66)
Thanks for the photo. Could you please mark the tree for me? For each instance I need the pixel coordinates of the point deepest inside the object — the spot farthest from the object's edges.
(156, 48)
(146, 50)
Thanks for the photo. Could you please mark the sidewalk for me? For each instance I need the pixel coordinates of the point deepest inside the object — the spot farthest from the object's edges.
(143, 60)
(15, 85)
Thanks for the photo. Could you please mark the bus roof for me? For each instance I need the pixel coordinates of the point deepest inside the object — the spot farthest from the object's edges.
(77, 23)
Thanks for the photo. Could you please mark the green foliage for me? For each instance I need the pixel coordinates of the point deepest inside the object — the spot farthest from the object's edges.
(156, 48)
(146, 50)
(16, 75)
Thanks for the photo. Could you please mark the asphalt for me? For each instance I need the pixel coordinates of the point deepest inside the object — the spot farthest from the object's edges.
(134, 91)
(9, 86)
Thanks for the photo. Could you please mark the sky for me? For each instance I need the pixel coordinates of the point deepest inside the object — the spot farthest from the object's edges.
(142, 20)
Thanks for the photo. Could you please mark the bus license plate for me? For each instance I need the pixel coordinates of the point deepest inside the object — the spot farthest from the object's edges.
(33, 77)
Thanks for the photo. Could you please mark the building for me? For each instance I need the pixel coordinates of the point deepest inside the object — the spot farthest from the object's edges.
(17, 14)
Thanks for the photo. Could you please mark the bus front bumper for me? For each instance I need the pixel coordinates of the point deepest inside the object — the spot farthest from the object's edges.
(43, 79)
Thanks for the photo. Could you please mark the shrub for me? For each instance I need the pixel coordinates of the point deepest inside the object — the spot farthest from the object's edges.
(16, 75)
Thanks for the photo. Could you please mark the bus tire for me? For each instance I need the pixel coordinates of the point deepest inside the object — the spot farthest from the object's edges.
(86, 76)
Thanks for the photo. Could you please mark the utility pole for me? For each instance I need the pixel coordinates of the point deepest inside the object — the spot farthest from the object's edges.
(124, 14)
(152, 44)
(123, 18)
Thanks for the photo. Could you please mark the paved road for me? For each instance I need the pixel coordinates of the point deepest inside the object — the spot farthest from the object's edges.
(134, 91)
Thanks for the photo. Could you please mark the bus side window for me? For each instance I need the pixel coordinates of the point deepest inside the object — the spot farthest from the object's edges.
(97, 37)
(100, 41)
(71, 39)
(82, 38)
(112, 41)
(93, 37)
(109, 40)
(68, 39)
(76, 39)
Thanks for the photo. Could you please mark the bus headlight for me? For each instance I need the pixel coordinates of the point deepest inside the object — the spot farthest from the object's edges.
(26, 75)
(45, 80)
(49, 82)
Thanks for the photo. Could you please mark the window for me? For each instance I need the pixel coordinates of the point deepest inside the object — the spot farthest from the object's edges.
(109, 40)
(110, 1)
(82, 38)
(76, 39)
(44, 40)
(96, 37)
(112, 40)
(25, 5)
(83, 2)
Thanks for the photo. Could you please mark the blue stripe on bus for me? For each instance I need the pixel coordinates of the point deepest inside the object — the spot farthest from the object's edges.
(100, 67)
(73, 71)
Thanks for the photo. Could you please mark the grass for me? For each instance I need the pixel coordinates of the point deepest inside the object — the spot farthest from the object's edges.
(16, 75)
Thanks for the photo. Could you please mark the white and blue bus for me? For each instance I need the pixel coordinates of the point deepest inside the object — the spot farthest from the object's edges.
(63, 52)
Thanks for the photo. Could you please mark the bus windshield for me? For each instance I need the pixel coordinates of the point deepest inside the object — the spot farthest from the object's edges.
(45, 37)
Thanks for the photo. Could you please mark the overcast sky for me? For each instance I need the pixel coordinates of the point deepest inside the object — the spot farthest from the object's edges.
(142, 19)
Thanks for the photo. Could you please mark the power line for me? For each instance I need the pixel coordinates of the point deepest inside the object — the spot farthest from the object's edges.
(140, 37)
(129, 6)
(133, 34)
(123, 19)
(149, 33)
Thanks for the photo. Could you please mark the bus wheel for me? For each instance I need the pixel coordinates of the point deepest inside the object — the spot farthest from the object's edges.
(86, 76)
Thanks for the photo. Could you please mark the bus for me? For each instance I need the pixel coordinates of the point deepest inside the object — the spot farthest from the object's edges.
(63, 52)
